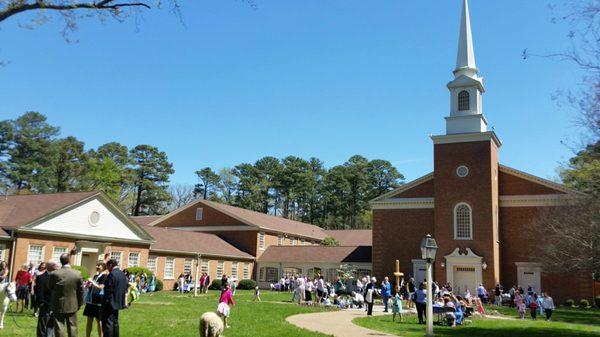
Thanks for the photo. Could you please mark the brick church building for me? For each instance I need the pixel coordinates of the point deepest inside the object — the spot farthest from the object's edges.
(477, 209)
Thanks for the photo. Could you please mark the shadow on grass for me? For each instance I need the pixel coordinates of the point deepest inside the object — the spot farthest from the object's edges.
(568, 315)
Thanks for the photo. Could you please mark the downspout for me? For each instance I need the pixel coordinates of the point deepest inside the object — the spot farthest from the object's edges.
(12, 253)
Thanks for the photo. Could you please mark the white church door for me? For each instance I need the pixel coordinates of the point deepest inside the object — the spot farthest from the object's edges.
(528, 274)
(464, 278)
(419, 271)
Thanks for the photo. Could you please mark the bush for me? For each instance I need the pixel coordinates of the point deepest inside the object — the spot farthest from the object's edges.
(246, 284)
(569, 303)
(139, 271)
(84, 272)
(216, 285)
(597, 301)
(159, 285)
(584, 303)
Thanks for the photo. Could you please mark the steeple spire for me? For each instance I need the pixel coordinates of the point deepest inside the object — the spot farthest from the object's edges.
(465, 58)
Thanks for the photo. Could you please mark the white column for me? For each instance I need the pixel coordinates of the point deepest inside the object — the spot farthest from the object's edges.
(429, 300)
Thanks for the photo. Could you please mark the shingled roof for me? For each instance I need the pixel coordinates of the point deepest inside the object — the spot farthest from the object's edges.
(144, 220)
(256, 219)
(316, 254)
(19, 210)
(352, 237)
(178, 241)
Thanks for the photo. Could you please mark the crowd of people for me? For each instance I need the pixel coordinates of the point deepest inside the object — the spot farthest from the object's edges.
(56, 292)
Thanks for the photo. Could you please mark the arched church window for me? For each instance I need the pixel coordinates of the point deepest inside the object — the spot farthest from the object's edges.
(463, 224)
(463, 101)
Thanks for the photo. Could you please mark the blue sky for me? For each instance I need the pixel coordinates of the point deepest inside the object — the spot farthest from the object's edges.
(328, 79)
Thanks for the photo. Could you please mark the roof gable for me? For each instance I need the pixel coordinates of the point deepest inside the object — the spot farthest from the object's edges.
(515, 182)
(260, 221)
(92, 214)
(405, 188)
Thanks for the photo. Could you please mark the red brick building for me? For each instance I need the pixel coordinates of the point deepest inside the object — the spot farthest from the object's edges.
(477, 209)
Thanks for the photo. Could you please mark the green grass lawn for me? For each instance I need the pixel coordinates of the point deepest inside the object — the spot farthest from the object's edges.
(568, 323)
(171, 314)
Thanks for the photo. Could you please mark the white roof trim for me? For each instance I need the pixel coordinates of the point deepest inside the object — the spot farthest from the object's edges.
(404, 187)
(538, 180)
(403, 203)
(466, 137)
(538, 200)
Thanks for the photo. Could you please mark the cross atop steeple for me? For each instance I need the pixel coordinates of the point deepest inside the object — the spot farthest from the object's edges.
(465, 58)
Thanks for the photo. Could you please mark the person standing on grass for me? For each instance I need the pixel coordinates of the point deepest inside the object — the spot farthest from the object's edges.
(45, 325)
(66, 289)
(256, 294)
(410, 288)
(225, 304)
(22, 280)
(320, 285)
(533, 307)
(370, 291)
(207, 283)
(301, 284)
(386, 292)
(94, 299)
(420, 299)
(520, 303)
(397, 304)
(540, 301)
(115, 289)
(548, 305)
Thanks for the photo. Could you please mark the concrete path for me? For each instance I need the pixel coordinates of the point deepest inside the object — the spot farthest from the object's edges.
(336, 323)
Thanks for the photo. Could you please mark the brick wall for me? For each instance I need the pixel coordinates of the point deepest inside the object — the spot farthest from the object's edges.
(423, 190)
(397, 234)
(210, 217)
(476, 189)
(513, 185)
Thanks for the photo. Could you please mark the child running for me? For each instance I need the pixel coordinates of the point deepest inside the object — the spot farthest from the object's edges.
(225, 302)
(256, 294)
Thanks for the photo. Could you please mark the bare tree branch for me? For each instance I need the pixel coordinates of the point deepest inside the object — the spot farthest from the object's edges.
(18, 6)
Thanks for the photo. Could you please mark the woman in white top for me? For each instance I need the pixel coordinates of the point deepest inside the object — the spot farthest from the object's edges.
(548, 305)
(301, 287)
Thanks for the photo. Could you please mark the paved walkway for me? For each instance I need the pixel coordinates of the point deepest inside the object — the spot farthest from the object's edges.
(336, 323)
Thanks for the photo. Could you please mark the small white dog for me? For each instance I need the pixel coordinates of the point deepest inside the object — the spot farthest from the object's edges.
(211, 325)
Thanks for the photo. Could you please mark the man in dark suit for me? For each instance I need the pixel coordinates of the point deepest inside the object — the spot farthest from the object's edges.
(66, 297)
(115, 289)
(45, 326)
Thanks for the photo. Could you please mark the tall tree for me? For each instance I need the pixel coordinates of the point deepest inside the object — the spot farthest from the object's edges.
(227, 189)
(151, 170)
(209, 183)
(383, 177)
(268, 170)
(26, 147)
(68, 164)
(109, 170)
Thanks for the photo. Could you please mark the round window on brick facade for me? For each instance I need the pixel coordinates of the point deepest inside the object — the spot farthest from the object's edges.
(462, 171)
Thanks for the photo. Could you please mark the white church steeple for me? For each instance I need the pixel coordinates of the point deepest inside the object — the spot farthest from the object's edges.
(466, 89)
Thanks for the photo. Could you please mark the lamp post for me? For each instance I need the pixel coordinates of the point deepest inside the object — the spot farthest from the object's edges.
(428, 249)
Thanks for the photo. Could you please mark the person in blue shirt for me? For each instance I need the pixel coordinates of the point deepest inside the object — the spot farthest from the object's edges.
(386, 293)
(420, 299)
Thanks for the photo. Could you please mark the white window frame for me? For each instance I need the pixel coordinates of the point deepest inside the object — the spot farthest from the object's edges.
(234, 269)
(2, 248)
(56, 254)
(120, 254)
(170, 276)
(456, 237)
(41, 256)
(188, 263)
(261, 240)
(152, 263)
(293, 241)
(220, 269)
(135, 264)
(205, 266)
(199, 213)
(280, 240)
(246, 271)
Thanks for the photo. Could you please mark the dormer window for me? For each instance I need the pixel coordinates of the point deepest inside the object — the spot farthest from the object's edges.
(463, 101)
